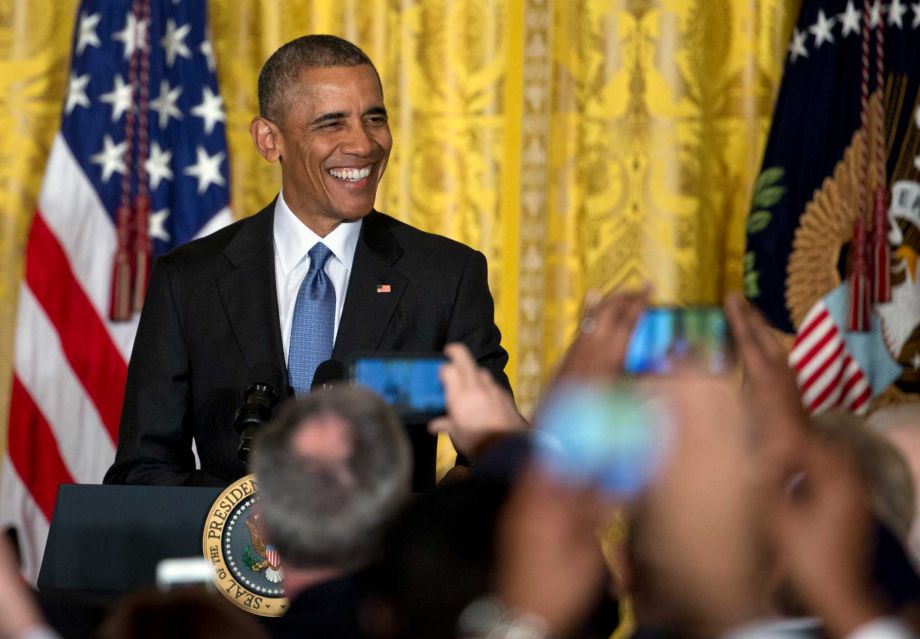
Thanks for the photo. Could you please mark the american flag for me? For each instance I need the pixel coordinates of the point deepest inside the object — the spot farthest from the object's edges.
(836, 368)
(271, 554)
(134, 62)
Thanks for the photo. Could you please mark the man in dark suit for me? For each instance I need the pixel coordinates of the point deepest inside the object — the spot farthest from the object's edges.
(258, 291)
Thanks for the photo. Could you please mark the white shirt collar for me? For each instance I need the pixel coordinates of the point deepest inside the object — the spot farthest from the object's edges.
(293, 238)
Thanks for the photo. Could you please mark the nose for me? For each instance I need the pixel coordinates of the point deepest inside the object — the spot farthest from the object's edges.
(358, 141)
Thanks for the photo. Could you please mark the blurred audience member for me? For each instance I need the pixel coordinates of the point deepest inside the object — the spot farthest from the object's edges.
(333, 471)
(900, 424)
(438, 573)
(882, 468)
(743, 499)
(826, 533)
(438, 558)
(183, 613)
(551, 573)
(20, 617)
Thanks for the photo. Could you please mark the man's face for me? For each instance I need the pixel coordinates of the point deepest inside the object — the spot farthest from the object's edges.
(334, 145)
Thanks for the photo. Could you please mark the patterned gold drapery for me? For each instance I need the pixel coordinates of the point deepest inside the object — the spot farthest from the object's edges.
(578, 143)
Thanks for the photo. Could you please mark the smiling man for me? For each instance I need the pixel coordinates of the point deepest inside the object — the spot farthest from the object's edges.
(316, 275)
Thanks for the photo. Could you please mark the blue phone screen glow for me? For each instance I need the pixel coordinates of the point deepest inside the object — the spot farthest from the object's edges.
(665, 335)
(410, 385)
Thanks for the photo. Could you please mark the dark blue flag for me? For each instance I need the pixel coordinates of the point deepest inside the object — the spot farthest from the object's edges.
(846, 120)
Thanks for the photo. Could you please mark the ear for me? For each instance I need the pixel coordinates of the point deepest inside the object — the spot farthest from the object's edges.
(267, 138)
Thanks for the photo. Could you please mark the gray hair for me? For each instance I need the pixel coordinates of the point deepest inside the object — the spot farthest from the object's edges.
(282, 70)
(332, 513)
(881, 466)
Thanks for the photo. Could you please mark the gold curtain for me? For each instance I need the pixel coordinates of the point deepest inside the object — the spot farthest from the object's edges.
(578, 143)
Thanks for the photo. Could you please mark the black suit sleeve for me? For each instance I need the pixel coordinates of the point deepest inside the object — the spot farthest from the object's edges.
(473, 319)
(154, 440)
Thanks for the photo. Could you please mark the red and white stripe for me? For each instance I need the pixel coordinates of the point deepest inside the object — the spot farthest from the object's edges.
(70, 361)
(827, 374)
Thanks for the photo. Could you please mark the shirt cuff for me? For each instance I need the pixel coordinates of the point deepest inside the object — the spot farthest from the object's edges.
(39, 632)
(882, 628)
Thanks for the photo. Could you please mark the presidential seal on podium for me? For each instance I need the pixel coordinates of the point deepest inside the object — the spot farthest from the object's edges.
(247, 570)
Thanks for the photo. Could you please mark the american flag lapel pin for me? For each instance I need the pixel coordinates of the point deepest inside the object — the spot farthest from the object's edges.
(383, 288)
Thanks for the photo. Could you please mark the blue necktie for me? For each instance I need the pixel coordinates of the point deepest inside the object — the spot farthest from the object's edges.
(314, 321)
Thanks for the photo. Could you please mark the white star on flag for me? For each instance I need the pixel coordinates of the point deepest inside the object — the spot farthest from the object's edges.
(206, 169)
(133, 35)
(157, 166)
(916, 22)
(822, 29)
(875, 15)
(165, 104)
(208, 52)
(76, 92)
(797, 46)
(174, 42)
(111, 158)
(210, 110)
(895, 13)
(851, 20)
(156, 225)
(87, 36)
(119, 97)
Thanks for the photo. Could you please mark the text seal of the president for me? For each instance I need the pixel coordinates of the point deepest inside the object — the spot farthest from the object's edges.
(247, 569)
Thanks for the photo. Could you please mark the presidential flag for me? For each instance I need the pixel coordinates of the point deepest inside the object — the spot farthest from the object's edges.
(138, 167)
(833, 228)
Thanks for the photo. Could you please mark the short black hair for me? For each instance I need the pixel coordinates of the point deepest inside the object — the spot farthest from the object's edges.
(285, 65)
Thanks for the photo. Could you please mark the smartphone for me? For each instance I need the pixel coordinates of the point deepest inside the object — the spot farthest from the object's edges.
(612, 437)
(408, 383)
(665, 335)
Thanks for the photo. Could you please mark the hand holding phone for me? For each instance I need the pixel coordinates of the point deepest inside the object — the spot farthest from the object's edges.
(665, 336)
(480, 412)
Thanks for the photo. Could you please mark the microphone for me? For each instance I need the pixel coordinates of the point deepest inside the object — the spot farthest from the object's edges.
(327, 375)
(258, 401)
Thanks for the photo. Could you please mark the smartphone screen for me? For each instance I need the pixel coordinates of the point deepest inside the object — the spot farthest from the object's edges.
(409, 384)
(614, 438)
(666, 335)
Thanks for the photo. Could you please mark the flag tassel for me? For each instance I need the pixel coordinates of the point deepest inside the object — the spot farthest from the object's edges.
(881, 251)
(120, 309)
(141, 251)
(858, 308)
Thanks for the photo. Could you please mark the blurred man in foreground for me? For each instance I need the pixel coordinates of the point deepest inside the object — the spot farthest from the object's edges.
(333, 472)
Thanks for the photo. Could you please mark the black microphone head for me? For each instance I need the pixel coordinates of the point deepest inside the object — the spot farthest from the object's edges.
(264, 373)
(327, 374)
(259, 400)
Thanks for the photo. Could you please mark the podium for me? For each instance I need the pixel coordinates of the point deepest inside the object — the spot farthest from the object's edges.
(105, 541)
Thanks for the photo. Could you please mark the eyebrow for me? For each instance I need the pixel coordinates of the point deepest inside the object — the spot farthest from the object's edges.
(338, 115)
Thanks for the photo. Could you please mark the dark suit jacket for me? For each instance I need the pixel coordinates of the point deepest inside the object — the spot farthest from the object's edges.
(211, 314)
(328, 609)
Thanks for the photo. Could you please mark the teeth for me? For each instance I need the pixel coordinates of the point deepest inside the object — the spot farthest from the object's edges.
(352, 175)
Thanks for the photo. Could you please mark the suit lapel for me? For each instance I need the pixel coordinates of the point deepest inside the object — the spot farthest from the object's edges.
(374, 289)
(248, 292)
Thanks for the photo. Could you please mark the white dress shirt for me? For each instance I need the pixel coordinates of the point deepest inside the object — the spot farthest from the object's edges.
(293, 240)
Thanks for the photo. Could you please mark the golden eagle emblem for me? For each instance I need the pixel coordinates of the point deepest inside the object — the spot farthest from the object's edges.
(261, 557)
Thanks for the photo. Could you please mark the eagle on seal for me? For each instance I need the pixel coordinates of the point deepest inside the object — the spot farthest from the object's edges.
(271, 561)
